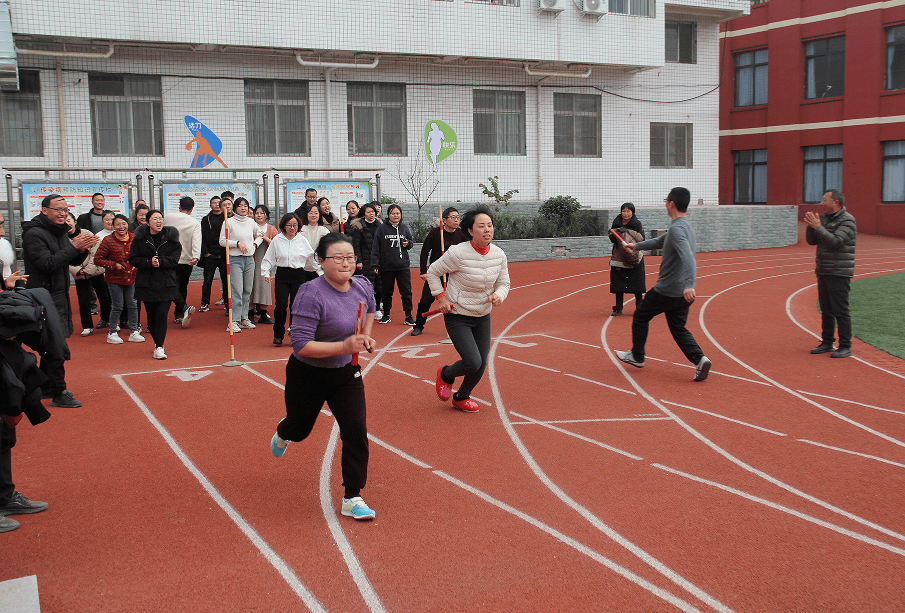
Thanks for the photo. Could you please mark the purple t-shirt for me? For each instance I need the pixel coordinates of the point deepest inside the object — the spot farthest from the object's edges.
(323, 313)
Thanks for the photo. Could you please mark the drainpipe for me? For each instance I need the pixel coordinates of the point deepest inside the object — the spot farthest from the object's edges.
(329, 68)
(64, 156)
(97, 56)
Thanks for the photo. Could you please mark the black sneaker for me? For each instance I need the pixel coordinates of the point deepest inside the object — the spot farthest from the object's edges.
(416, 331)
(265, 319)
(822, 348)
(384, 320)
(278, 341)
(65, 400)
(409, 321)
(20, 505)
(204, 308)
(842, 352)
(101, 325)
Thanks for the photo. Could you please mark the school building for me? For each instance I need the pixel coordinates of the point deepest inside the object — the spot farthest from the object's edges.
(814, 99)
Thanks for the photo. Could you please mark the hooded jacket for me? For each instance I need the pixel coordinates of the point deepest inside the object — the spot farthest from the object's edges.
(835, 240)
(387, 253)
(156, 284)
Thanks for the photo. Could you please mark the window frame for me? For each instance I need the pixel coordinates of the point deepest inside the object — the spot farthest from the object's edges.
(632, 7)
(823, 163)
(752, 165)
(889, 157)
(279, 135)
(11, 135)
(573, 113)
(811, 63)
(890, 54)
(480, 113)
(667, 139)
(353, 107)
(126, 135)
(693, 48)
(751, 74)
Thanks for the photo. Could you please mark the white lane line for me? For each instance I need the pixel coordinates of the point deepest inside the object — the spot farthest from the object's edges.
(855, 535)
(269, 554)
(863, 455)
(735, 421)
(588, 421)
(647, 558)
(612, 387)
(817, 336)
(151, 372)
(860, 404)
(531, 365)
(566, 340)
(586, 439)
(567, 540)
(273, 382)
(396, 370)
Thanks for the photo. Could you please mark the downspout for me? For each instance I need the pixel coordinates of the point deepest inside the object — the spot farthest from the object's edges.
(61, 108)
(329, 68)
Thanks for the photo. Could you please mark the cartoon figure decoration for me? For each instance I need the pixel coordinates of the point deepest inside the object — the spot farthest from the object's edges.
(207, 144)
(440, 141)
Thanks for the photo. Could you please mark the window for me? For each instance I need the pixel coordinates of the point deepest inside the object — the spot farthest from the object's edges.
(822, 171)
(895, 58)
(894, 171)
(376, 118)
(276, 118)
(644, 8)
(751, 176)
(126, 117)
(499, 122)
(681, 42)
(751, 78)
(670, 145)
(576, 125)
(21, 133)
(825, 68)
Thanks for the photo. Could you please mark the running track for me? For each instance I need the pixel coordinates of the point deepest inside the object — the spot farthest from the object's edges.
(583, 484)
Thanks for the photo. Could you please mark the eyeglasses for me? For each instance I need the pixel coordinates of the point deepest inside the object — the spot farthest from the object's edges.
(339, 259)
(291, 225)
(453, 218)
(56, 210)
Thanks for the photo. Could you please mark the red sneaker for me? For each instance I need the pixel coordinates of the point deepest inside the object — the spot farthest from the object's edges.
(467, 404)
(13, 420)
(444, 391)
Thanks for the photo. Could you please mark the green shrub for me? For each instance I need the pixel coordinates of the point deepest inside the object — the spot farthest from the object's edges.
(419, 229)
(560, 210)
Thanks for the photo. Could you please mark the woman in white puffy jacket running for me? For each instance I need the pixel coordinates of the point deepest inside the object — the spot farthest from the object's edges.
(478, 280)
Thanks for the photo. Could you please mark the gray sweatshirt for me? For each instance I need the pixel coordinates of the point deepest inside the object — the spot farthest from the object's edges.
(678, 269)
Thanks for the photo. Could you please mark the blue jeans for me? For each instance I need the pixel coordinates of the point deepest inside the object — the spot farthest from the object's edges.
(119, 295)
(241, 282)
(471, 338)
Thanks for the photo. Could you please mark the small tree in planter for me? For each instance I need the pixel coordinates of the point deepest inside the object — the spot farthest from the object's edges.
(419, 180)
(494, 192)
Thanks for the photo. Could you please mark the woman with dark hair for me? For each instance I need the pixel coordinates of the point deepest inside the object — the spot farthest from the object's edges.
(478, 281)
(139, 215)
(322, 369)
(626, 276)
(261, 295)
(331, 221)
(89, 276)
(244, 238)
(313, 231)
(352, 208)
(113, 255)
(390, 260)
(155, 253)
(284, 267)
(363, 241)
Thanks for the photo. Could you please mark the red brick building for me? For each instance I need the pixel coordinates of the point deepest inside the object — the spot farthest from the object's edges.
(813, 98)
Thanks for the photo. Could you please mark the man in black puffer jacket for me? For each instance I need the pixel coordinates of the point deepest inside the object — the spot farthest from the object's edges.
(834, 233)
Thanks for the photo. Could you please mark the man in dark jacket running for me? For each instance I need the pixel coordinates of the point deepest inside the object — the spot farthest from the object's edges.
(834, 233)
(431, 251)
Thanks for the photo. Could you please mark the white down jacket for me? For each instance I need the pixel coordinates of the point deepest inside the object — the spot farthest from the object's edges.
(472, 278)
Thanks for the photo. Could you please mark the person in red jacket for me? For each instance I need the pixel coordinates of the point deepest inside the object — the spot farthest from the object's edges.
(431, 251)
(113, 255)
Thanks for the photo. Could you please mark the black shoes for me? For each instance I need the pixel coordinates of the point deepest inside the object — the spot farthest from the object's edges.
(416, 331)
(822, 348)
(842, 352)
(265, 319)
(409, 321)
(278, 341)
(20, 505)
(65, 400)
(102, 324)
(385, 319)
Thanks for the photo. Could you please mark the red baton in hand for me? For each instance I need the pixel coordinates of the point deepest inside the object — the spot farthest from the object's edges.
(617, 235)
(358, 325)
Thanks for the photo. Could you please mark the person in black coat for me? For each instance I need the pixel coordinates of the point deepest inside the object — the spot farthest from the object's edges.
(213, 256)
(362, 242)
(623, 279)
(155, 253)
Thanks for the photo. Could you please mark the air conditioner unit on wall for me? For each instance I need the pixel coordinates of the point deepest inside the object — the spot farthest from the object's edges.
(552, 6)
(593, 8)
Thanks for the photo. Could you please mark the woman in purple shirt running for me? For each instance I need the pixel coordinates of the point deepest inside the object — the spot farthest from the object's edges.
(320, 369)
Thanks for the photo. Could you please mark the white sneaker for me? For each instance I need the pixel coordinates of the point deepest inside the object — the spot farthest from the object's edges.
(114, 339)
(246, 323)
(187, 316)
(234, 327)
(159, 354)
(135, 337)
(378, 315)
(87, 331)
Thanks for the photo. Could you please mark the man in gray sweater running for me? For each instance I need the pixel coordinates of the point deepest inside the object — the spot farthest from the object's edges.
(674, 291)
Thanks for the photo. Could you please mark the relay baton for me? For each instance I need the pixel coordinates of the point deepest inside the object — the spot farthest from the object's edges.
(358, 324)
(617, 235)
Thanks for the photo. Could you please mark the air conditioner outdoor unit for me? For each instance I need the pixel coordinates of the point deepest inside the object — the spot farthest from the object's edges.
(552, 6)
(593, 8)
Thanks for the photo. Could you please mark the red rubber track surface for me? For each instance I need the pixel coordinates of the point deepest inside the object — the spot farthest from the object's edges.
(582, 484)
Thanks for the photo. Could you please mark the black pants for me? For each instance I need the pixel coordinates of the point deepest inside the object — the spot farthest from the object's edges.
(7, 442)
(286, 283)
(403, 279)
(368, 274)
(211, 266)
(157, 320)
(307, 389)
(83, 289)
(620, 300)
(471, 338)
(183, 274)
(832, 292)
(424, 305)
(676, 311)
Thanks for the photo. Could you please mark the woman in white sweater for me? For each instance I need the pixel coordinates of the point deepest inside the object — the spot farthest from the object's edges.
(284, 266)
(478, 281)
(313, 230)
(244, 237)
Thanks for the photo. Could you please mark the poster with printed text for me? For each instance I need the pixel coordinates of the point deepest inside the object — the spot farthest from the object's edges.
(172, 191)
(77, 194)
(337, 192)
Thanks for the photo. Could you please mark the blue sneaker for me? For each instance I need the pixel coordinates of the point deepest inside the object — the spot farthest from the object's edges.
(277, 451)
(356, 507)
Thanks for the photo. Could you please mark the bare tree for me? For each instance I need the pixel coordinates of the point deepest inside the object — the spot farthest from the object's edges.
(420, 180)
